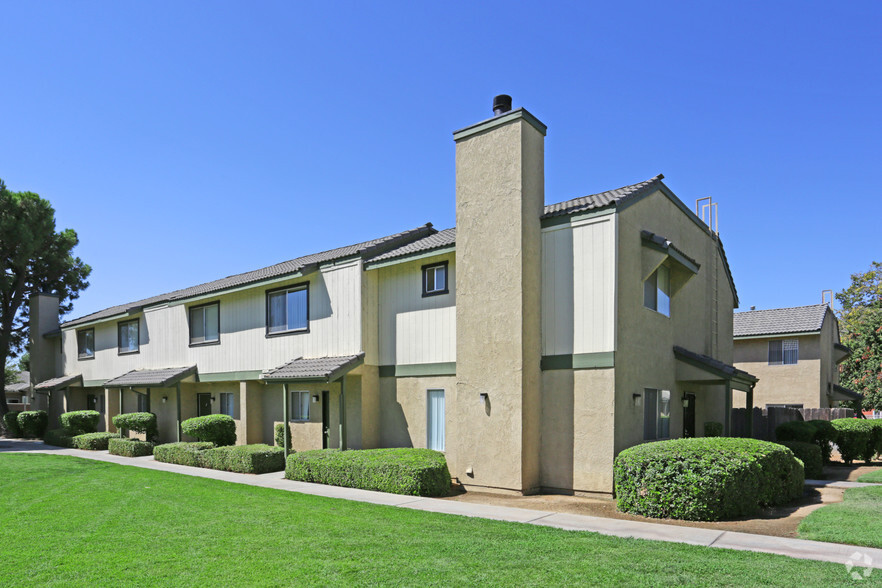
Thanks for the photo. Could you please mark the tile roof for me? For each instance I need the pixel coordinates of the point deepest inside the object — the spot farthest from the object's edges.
(59, 383)
(22, 383)
(439, 240)
(325, 368)
(714, 364)
(365, 249)
(602, 199)
(780, 321)
(845, 393)
(159, 378)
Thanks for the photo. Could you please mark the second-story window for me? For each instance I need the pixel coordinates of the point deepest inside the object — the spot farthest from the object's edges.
(128, 337)
(435, 279)
(657, 291)
(86, 344)
(784, 352)
(205, 324)
(287, 310)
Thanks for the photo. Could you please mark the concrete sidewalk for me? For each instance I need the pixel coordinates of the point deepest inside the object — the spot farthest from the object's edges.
(798, 548)
(838, 484)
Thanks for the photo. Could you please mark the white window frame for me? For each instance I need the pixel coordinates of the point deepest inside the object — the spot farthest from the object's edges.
(137, 339)
(787, 350)
(657, 407)
(80, 345)
(201, 313)
(657, 291)
(281, 330)
(299, 399)
(434, 270)
(230, 399)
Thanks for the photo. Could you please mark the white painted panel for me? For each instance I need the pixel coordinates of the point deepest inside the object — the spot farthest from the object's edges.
(426, 334)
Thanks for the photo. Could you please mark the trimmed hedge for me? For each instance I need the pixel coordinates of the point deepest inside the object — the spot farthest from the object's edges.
(219, 429)
(10, 421)
(32, 423)
(58, 437)
(713, 429)
(876, 440)
(189, 454)
(810, 455)
(279, 432)
(800, 431)
(130, 447)
(139, 422)
(245, 459)
(420, 472)
(825, 436)
(93, 441)
(706, 479)
(855, 438)
(79, 422)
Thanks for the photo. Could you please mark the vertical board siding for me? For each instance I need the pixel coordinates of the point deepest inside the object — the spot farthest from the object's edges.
(334, 329)
(413, 329)
(578, 287)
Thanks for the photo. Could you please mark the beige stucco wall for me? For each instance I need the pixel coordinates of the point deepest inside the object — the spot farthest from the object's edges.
(403, 411)
(785, 384)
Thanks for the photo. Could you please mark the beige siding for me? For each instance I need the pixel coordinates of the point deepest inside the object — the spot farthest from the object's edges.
(413, 329)
(334, 329)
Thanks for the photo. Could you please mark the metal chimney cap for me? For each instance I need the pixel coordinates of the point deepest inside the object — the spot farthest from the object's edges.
(501, 104)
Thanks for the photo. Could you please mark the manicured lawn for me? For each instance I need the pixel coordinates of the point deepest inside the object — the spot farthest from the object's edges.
(856, 520)
(76, 522)
(872, 477)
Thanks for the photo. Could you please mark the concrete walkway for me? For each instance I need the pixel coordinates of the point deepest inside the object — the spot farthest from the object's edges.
(838, 484)
(798, 548)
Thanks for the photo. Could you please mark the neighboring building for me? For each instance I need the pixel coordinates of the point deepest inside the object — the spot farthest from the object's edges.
(531, 344)
(18, 395)
(795, 352)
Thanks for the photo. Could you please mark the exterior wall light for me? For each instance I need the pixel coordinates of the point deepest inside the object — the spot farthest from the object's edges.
(638, 399)
(164, 399)
(484, 398)
(315, 398)
(685, 402)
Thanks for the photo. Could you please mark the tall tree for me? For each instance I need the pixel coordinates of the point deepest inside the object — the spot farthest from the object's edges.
(35, 258)
(860, 320)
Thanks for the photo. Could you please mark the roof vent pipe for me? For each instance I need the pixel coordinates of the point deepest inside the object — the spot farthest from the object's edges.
(501, 104)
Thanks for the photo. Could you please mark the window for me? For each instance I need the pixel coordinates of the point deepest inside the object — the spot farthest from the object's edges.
(435, 279)
(657, 291)
(86, 344)
(435, 420)
(784, 352)
(128, 337)
(656, 414)
(299, 407)
(287, 310)
(205, 324)
(143, 403)
(226, 404)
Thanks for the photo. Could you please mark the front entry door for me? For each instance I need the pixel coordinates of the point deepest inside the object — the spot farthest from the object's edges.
(326, 419)
(203, 404)
(689, 416)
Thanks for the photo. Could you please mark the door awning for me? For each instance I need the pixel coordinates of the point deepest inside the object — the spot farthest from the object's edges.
(696, 367)
(59, 383)
(842, 393)
(319, 369)
(152, 378)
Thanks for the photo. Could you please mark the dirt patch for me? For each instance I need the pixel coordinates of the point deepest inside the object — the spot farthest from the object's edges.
(848, 473)
(778, 521)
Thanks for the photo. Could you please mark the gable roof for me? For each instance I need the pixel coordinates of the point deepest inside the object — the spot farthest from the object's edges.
(603, 199)
(318, 368)
(158, 378)
(780, 321)
(298, 264)
(440, 240)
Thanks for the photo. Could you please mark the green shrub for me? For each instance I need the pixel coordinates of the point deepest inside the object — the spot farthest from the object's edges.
(825, 437)
(58, 437)
(130, 447)
(79, 422)
(245, 459)
(189, 454)
(139, 422)
(713, 429)
(10, 422)
(279, 431)
(810, 456)
(876, 440)
(855, 437)
(801, 431)
(93, 441)
(33, 423)
(706, 479)
(420, 472)
(219, 429)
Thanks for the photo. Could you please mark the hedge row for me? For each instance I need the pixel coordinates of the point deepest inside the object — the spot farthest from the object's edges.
(93, 441)
(245, 459)
(58, 437)
(130, 447)
(189, 454)
(713, 429)
(219, 429)
(706, 479)
(421, 472)
(10, 422)
(139, 422)
(79, 422)
(858, 438)
(810, 456)
(32, 423)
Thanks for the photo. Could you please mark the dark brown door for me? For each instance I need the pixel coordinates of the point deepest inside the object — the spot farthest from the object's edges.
(689, 416)
(91, 402)
(326, 419)
(203, 404)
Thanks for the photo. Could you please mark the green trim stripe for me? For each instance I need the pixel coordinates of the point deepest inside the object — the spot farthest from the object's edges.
(418, 369)
(579, 361)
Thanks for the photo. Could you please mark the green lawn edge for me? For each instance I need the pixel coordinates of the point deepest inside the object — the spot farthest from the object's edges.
(857, 520)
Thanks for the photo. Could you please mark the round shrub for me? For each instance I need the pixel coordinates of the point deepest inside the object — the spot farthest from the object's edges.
(713, 429)
(810, 456)
(10, 423)
(279, 431)
(876, 440)
(219, 429)
(801, 431)
(706, 479)
(139, 422)
(825, 436)
(129, 447)
(855, 437)
(79, 422)
(33, 423)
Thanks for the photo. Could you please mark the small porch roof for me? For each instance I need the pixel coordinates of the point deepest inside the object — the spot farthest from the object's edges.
(321, 369)
(840, 352)
(842, 393)
(59, 383)
(711, 370)
(152, 378)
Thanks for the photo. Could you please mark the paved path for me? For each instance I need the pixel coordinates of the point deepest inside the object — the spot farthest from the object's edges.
(798, 548)
(838, 484)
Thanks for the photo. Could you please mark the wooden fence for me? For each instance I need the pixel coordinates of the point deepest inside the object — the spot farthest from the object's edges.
(765, 420)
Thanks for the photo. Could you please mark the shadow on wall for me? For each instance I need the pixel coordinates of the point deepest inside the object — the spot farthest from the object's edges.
(558, 439)
(394, 430)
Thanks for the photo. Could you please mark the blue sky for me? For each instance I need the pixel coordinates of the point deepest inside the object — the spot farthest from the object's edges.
(187, 141)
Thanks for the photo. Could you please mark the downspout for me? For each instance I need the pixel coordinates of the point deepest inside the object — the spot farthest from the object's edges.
(286, 432)
(178, 400)
(750, 411)
(343, 413)
(727, 424)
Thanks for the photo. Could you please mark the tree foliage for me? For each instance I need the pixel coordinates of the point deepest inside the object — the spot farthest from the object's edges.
(860, 322)
(35, 258)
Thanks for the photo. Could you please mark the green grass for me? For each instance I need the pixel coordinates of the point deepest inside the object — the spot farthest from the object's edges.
(875, 477)
(74, 522)
(857, 520)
